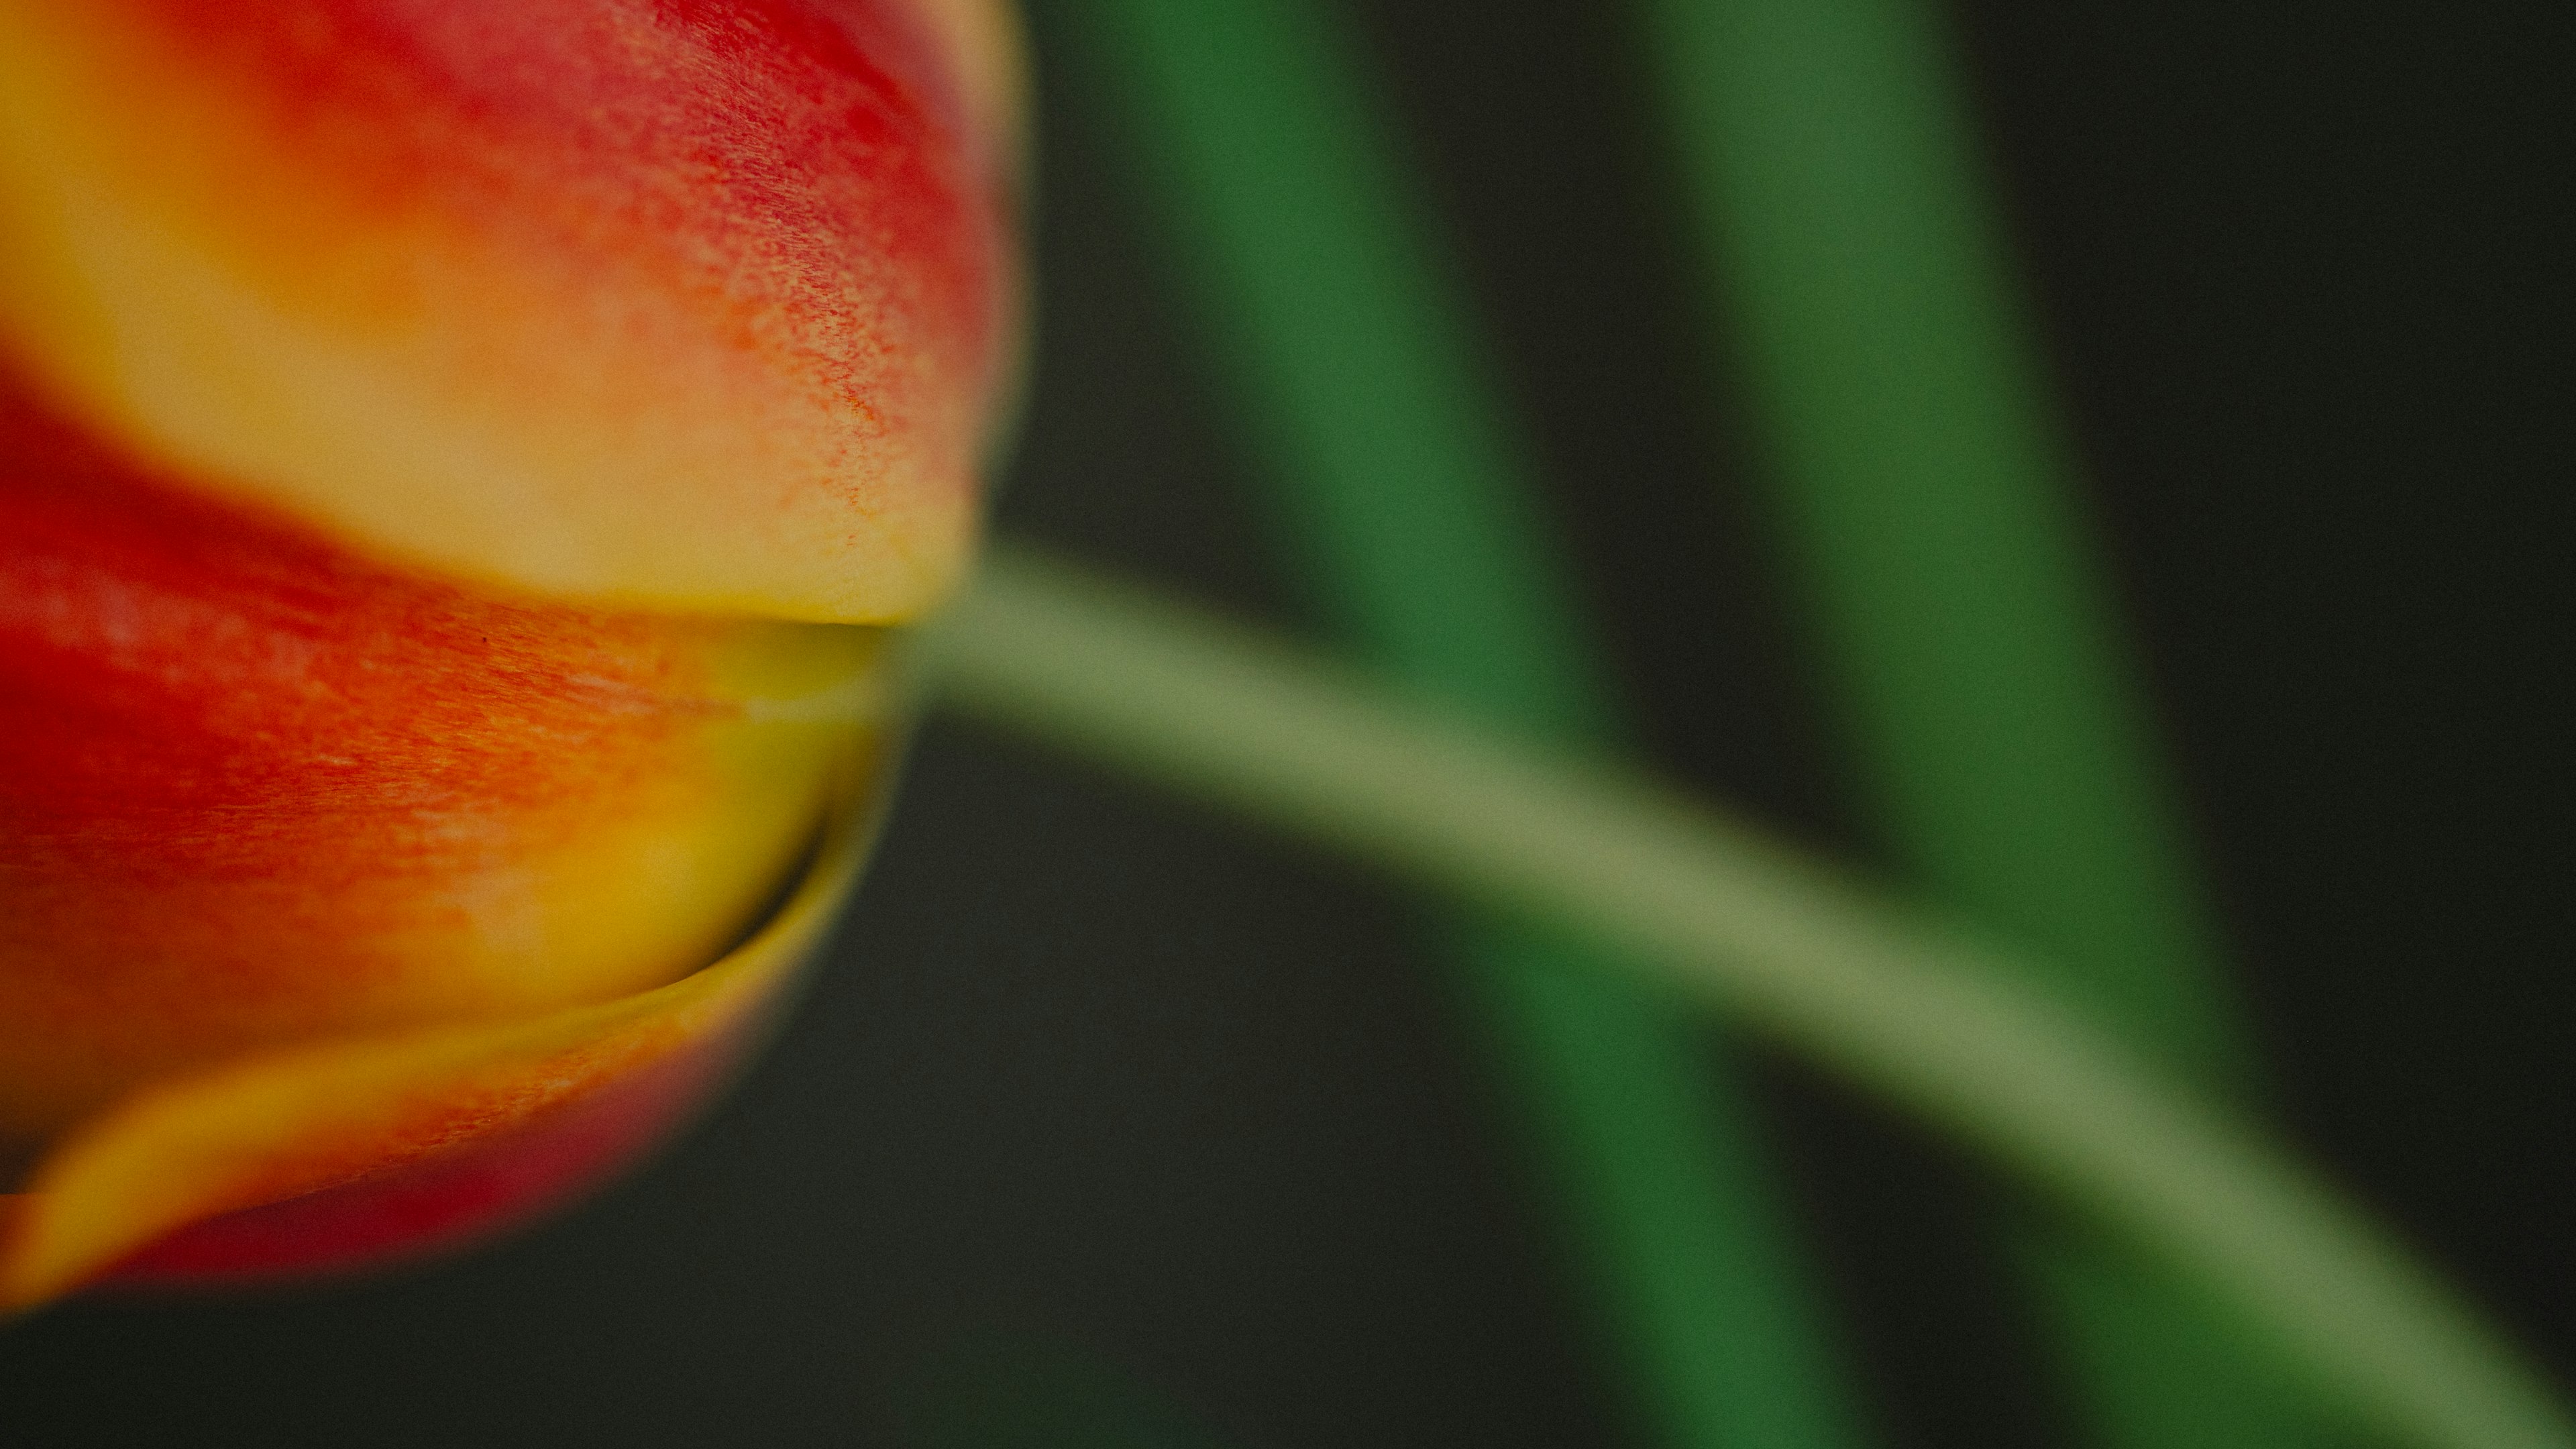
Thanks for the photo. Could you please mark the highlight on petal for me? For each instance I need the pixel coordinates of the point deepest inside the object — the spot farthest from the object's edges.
(323, 1157)
(694, 305)
(450, 453)
(259, 791)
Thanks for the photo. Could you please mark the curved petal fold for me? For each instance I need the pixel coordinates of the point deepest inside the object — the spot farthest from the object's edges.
(258, 790)
(333, 1155)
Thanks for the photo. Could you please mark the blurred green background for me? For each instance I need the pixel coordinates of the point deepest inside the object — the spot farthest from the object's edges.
(1114, 1122)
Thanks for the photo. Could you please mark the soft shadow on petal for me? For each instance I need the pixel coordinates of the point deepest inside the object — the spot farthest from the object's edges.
(340, 1155)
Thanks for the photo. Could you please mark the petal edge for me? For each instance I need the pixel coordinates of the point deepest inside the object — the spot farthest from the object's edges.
(371, 1121)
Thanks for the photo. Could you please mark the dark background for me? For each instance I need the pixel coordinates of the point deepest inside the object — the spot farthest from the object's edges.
(1110, 1109)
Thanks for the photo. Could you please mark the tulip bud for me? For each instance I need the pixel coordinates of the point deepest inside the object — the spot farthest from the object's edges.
(456, 460)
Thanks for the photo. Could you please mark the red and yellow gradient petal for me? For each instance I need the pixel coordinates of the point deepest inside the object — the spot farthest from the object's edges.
(323, 1158)
(258, 791)
(687, 305)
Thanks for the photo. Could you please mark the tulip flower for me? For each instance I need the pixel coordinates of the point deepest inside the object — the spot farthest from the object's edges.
(459, 464)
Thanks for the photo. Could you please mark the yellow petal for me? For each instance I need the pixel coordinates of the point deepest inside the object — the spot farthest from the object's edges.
(335, 1128)
(261, 791)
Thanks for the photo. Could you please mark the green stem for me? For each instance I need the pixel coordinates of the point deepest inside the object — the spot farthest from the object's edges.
(1925, 502)
(1715, 911)
(1394, 467)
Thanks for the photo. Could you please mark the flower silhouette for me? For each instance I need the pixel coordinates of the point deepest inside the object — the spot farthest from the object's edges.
(458, 463)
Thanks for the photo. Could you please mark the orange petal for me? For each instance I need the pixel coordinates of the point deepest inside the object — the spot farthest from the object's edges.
(330, 1156)
(257, 790)
(684, 304)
